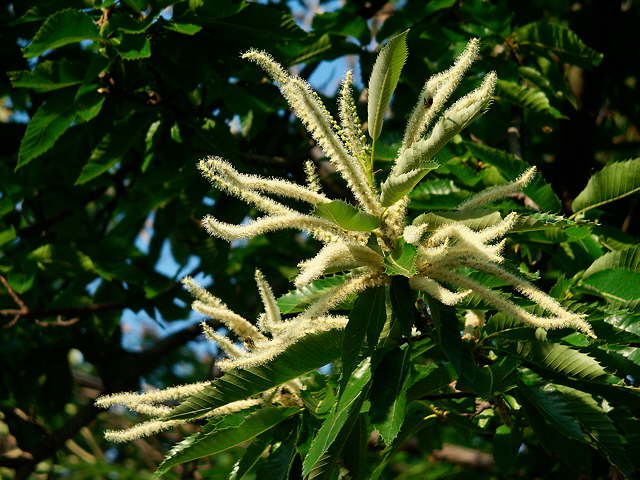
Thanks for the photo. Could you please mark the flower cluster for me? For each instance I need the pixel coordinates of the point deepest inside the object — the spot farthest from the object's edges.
(446, 251)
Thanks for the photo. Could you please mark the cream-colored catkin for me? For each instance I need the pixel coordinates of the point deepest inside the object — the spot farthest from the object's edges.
(436, 92)
(501, 191)
(239, 325)
(154, 396)
(217, 167)
(271, 309)
(262, 225)
(223, 342)
(502, 304)
(349, 118)
(313, 180)
(437, 291)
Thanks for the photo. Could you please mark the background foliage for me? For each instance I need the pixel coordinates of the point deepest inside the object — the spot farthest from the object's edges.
(107, 106)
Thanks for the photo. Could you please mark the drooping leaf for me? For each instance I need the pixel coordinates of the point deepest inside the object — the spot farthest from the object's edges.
(615, 181)
(346, 411)
(251, 456)
(49, 75)
(214, 440)
(389, 392)
(50, 121)
(553, 407)
(297, 300)
(599, 426)
(544, 37)
(306, 355)
(61, 28)
(402, 260)
(111, 149)
(530, 98)
(506, 443)
(383, 81)
(562, 359)
(347, 216)
(511, 167)
(361, 334)
(277, 465)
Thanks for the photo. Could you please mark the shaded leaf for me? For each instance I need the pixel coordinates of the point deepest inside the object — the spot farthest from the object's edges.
(134, 47)
(511, 167)
(530, 98)
(50, 121)
(389, 392)
(599, 426)
(615, 181)
(214, 440)
(347, 408)
(49, 75)
(366, 320)
(544, 37)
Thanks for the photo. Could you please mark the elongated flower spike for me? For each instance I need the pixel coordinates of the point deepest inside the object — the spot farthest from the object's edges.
(445, 252)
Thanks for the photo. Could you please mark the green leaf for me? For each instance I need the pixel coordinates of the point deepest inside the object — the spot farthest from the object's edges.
(278, 464)
(306, 355)
(184, 28)
(615, 181)
(213, 440)
(347, 216)
(394, 188)
(49, 75)
(562, 359)
(506, 443)
(347, 408)
(545, 38)
(61, 28)
(389, 392)
(530, 98)
(553, 407)
(383, 81)
(50, 121)
(617, 286)
(7, 235)
(615, 276)
(599, 426)
(627, 259)
(625, 322)
(366, 320)
(251, 456)
(297, 300)
(112, 148)
(511, 167)
(134, 47)
(402, 260)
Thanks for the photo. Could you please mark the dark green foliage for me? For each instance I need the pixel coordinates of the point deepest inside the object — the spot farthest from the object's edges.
(104, 111)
